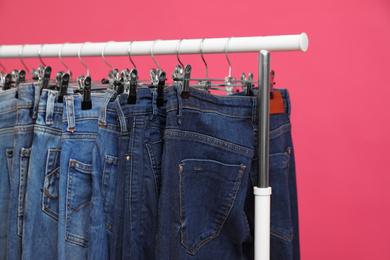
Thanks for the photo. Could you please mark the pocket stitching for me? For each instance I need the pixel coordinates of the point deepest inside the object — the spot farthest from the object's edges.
(222, 220)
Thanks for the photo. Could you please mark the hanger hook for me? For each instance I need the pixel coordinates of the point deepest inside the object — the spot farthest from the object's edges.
(151, 51)
(201, 54)
(21, 60)
(39, 54)
(112, 68)
(60, 56)
(177, 52)
(5, 71)
(129, 52)
(227, 58)
(79, 52)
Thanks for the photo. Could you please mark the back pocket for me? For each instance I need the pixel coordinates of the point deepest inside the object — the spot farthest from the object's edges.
(51, 183)
(78, 202)
(109, 179)
(207, 192)
(281, 222)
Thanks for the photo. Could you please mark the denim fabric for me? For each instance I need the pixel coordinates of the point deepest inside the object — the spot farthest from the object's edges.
(75, 188)
(104, 179)
(27, 106)
(8, 108)
(208, 150)
(140, 148)
(41, 205)
(284, 242)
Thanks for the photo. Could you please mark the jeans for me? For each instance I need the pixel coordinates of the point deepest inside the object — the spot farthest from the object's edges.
(284, 243)
(139, 176)
(27, 112)
(104, 179)
(41, 206)
(8, 108)
(75, 188)
(208, 151)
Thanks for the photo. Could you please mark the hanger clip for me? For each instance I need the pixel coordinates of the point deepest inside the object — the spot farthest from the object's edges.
(271, 84)
(6, 81)
(162, 77)
(63, 90)
(44, 76)
(186, 81)
(86, 102)
(132, 79)
(247, 85)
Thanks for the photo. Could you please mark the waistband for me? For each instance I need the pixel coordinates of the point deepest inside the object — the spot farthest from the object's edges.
(8, 102)
(72, 110)
(276, 103)
(145, 104)
(233, 105)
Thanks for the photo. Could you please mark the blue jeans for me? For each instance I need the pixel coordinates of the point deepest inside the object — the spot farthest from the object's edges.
(40, 221)
(104, 179)
(139, 176)
(284, 243)
(208, 151)
(28, 102)
(75, 188)
(8, 108)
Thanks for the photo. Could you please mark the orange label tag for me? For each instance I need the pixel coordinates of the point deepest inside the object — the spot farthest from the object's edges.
(276, 105)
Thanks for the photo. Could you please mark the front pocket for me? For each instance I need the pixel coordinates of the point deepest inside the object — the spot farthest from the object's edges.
(51, 183)
(109, 179)
(207, 192)
(281, 221)
(155, 156)
(78, 202)
(9, 154)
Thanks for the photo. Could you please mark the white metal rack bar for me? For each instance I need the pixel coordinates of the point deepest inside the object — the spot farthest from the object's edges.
(261, 44)
(297, 42)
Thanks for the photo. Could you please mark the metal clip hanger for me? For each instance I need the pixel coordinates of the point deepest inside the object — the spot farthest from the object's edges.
(113, 76)
(85, 85)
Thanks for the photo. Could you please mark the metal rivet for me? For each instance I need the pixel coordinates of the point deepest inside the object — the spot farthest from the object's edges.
(181, 168)
(128, 157)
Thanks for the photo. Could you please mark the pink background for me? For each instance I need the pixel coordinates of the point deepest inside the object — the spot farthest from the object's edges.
(339, 90)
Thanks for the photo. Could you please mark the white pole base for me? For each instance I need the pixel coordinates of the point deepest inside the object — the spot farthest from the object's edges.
(262, 222)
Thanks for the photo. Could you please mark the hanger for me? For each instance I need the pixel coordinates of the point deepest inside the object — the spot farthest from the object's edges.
(85, 83)
(113, 75)
(157, 78)
(62, 78)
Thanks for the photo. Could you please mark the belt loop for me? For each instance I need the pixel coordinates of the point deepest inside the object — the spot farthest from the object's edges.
(254, 112)
(287, 105)
(103, 108)
(179, 104)
(70, 116)
(37, 96)
(121, 116)
(154, 103)
(51, 96)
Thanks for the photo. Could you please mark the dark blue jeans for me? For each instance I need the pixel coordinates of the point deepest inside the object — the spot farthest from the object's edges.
(8, 108)
(139, 177)
(28, 102)
(40, 221)
(75, 190)
(104, 179)
(208, 151)
(284, 243)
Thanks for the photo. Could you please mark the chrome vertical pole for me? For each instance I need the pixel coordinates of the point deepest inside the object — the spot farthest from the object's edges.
(263, 192)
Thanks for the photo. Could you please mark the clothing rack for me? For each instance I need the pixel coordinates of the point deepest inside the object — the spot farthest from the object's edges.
(262, 45)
